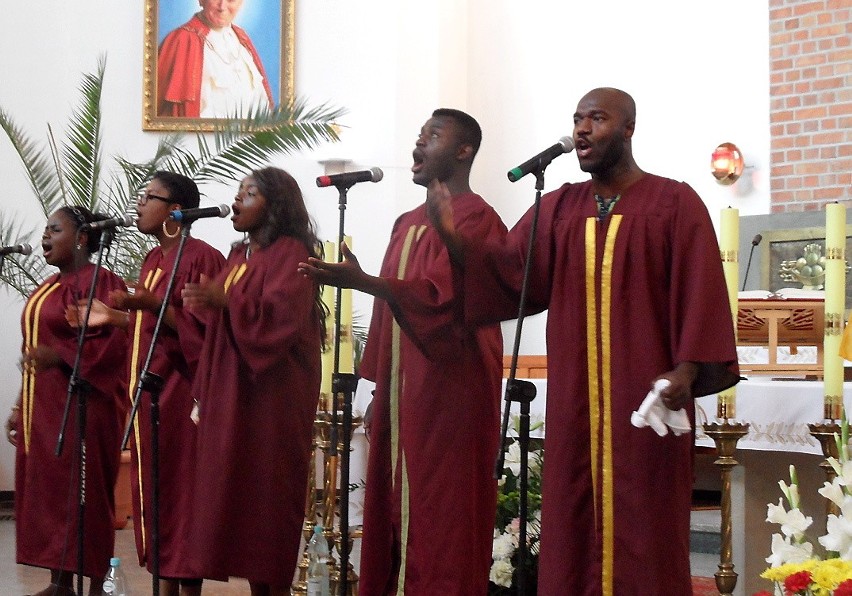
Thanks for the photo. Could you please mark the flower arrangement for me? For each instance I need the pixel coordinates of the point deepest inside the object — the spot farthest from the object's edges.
(504, 553)
(794, 567)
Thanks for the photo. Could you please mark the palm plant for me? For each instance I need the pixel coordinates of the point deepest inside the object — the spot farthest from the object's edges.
(71, 173)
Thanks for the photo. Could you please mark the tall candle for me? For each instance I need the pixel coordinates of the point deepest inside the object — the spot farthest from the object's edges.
(729, 244)
(328, 353)
(835, 307)
(347, 347)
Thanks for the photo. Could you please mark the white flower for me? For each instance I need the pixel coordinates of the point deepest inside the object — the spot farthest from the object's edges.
(793, 522)
(833, 491)
(501, 573)
(503, 547)
(839, 536)
(513, 458)
(784, 551)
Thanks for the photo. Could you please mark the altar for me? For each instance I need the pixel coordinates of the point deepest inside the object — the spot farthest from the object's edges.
(778, 413)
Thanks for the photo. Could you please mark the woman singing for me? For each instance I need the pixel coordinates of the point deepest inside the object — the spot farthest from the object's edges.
(258, 384)
(174, 360)
(47, 486)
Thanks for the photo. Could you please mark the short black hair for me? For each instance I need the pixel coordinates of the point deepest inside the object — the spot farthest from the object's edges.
(469, 129)
(183, 189)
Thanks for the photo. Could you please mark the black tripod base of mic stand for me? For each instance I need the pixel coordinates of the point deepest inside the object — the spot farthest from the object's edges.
(154, 384)
(344, 384)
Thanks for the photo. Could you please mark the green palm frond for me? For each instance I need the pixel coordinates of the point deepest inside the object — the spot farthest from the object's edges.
(37, 163)
(243, 145)
(82, 150)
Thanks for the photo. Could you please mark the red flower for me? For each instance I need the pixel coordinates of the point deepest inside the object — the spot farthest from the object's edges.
(797, 582)
(762, 593)
(844, 588)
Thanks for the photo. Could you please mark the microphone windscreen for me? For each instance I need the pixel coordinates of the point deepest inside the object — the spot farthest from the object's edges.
(756, 240)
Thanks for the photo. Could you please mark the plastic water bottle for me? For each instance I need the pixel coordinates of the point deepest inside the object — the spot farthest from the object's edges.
(115, 583)
(318, 584)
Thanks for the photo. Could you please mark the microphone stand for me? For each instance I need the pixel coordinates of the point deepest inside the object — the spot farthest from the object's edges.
(81, 388)
(754, 244)
(154, 383)
(522, 392)
(343, 385)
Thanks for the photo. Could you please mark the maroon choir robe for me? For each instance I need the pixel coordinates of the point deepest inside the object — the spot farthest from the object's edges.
(175, 359)
(629, 298)
(430, 499)
(46, 486)
(258, 385)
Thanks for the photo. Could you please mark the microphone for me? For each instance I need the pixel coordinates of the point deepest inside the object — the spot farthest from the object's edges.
(190, 215)
(120, 221)
(21, 249)
(754, 242)
(349, 178)
(542, 160)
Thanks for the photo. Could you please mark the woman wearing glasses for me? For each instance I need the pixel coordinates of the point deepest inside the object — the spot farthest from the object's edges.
(47, 486)
(174, 360)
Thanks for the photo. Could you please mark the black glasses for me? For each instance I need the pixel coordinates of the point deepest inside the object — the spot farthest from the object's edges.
(143, 197)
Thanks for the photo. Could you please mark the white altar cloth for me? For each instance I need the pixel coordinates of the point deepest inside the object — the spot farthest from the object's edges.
(778, 412)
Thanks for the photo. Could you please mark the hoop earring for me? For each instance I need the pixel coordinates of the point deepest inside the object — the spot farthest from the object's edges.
(166, 229)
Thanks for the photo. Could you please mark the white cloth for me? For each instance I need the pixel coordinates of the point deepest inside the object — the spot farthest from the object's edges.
(231, 83)
(655, 414)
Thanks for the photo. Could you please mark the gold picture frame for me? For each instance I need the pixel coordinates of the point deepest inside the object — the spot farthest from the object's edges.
(165, 16)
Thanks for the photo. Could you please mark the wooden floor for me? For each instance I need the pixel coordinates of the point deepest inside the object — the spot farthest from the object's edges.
(17, 580)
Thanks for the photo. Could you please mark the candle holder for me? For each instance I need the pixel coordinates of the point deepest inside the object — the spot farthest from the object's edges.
(321, 504)
(825, 433)
(726, 435)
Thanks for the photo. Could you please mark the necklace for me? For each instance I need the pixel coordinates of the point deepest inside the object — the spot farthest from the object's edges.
(605, 205)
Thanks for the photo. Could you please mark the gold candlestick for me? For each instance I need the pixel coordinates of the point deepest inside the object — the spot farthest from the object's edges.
(826, 433)
(726, 435)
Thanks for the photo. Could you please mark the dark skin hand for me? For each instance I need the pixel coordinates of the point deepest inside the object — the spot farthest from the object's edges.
(679, 392)
(346, 274)
(205, 295)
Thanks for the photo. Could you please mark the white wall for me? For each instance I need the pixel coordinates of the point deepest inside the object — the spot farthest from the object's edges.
(518, 67)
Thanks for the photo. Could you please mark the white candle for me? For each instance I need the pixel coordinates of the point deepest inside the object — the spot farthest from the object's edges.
(347, 347)
(835, 307)
(328, 353)
(729, 243)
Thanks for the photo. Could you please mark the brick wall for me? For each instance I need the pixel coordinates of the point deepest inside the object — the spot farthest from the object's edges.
(810, 103)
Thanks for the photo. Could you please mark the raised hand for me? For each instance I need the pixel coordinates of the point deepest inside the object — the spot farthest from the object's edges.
(439, 207)
(138, 298)
(204, 295)
(99, 315)
(346, 274)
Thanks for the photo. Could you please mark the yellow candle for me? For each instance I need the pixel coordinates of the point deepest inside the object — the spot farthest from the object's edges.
(328, 353)
(835, 306)
(347, 350)
(729, 244)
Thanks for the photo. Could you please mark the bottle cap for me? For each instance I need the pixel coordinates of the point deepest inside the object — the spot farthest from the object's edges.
(317, 529)
(114, 562)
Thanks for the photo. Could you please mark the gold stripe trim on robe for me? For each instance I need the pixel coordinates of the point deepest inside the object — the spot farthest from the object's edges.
(608, 500)
(592, 353)
(31, 328)
(394, 391)
(150, 282)
(234, 276)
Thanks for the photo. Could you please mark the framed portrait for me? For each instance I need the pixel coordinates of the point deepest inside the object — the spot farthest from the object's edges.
(781, 248)
(206, 61)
